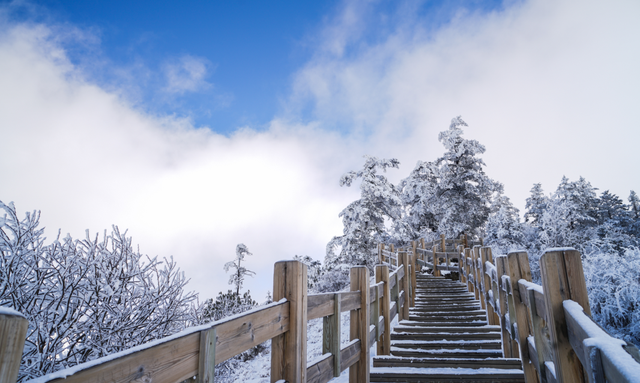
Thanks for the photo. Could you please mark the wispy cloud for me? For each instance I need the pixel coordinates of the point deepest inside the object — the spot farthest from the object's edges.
(186, 74)
(550, 87)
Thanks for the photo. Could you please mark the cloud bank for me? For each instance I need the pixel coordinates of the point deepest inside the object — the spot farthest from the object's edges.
(549, 87)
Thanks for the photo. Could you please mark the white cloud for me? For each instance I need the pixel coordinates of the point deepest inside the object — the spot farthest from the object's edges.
(186, 74)
(550, 87)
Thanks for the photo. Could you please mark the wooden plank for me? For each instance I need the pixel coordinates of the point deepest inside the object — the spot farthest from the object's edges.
(170, 362)
(604, 357)
(321, 371)
(350, 301)
(207, 357)
(563, 279)
(350, 354)
(406, 286)
(331, 335)
(519, 269)
(291, 363)
(414, 265)
(359, 322)
(319, 305)
(540, 338)
(13, 333)
(247, 331)
(501, 269)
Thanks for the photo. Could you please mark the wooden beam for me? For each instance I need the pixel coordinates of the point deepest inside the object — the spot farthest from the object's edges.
(207, 357)
(359, 372)
(384, 344)
(289, 350)
(331, 335)
(519, 269)
(13, 333)
(563, 279)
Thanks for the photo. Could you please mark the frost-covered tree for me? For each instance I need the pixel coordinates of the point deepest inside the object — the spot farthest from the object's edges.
(226, 304)
(613, 284)
(503, 231)
(85, 299)
(418, 195)
(464, 192)
(315, 271)
(364, 219)
(536, 205)
(239, 272)
(581, 203)
(634, 214)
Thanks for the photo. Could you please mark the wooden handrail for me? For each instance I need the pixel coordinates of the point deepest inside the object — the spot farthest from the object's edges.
(196, 351)
(556, 341)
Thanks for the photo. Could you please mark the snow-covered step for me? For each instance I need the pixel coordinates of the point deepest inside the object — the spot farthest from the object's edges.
(448, 344)
(446, 353)
(457, 329)
(445, 375)
(395, 361)
(444, 335)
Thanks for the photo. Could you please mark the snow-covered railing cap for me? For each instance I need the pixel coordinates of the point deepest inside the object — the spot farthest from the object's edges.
(10, 311)
(603, 356)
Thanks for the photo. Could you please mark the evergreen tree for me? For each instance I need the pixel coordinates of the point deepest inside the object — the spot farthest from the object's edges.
(462, 197)
(503, 230)
(536, 205)
(364, 219)
(238, 276)
(418, 195)
(226, 304)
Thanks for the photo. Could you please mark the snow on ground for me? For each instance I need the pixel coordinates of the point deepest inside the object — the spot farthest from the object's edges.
(257, 370)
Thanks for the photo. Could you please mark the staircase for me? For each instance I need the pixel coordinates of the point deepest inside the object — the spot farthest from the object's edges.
(446, 339)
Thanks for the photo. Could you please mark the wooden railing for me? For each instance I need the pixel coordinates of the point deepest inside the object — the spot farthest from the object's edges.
(548, 327)
(195, 351)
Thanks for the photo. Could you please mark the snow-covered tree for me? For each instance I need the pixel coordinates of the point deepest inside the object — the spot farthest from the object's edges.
(503, 231)
(418, 194)
(536, 205)
(226, 304)
(464, 192)
(315, 271)
(239, 272)
(364, 219)
(85, 299)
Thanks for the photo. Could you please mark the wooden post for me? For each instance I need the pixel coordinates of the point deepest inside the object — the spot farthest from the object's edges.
(414, 270)
(384, 344)
(519, 269)
(443, 243)
(380, 254)
(540, 338)
(359, 372)
(436, 272)
(331, 334)
(467, 267)
(461, 263)
(392, 250)
(13, 333)
(562, 279)
(485, 255)
(207, 356)
(501, 268)
(477, 276)
(289, 350)
(406, 285)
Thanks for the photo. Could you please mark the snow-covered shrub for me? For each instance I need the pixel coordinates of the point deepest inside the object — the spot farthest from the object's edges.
(613, 283)
(85, 299)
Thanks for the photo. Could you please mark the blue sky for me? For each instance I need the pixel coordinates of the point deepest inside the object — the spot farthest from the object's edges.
(198, 127)
(248, 51)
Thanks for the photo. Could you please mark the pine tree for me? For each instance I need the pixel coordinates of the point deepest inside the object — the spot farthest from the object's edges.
(503, 230)
(462, 197)
(364, 219)
(536, 205)
(238, 276)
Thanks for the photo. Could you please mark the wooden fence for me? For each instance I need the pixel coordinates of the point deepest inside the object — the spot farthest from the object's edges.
(195, 351)
(548, 327)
